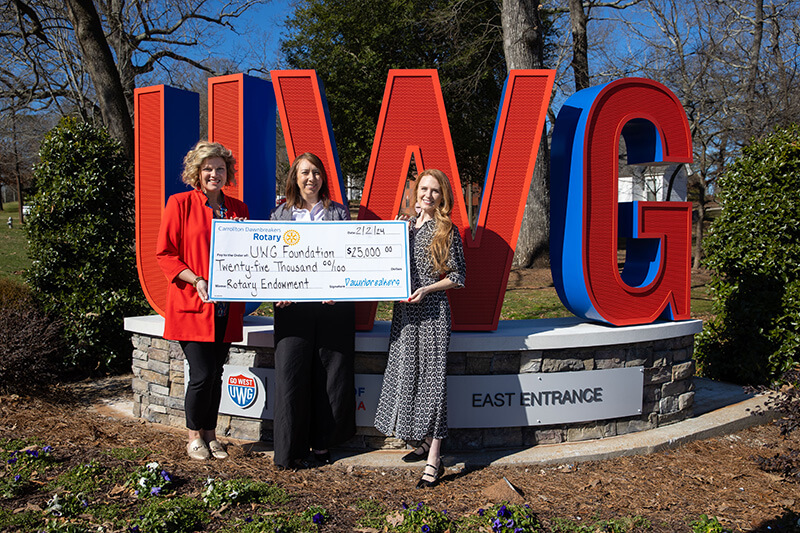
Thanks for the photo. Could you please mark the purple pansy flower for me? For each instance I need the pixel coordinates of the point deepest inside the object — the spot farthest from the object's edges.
(317, 518)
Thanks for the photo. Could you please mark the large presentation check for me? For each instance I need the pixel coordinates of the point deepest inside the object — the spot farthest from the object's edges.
(308, 261)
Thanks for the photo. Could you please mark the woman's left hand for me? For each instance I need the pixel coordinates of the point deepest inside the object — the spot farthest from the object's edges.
(441, 285)
(239, 219)
(418, 295)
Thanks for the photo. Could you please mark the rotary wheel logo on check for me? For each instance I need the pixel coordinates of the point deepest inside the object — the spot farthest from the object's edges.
(291, 237)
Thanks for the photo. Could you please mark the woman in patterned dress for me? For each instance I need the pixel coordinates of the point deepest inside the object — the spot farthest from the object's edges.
(413, 402)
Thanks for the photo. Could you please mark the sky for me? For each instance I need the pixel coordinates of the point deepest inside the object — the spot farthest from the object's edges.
(263, 26)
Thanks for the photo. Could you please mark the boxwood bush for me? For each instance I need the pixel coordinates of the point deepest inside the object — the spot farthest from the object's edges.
(753, 249)
(81, 233)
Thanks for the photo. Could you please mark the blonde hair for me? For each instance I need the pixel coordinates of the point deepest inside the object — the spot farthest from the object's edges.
(442, 235)
(198, 154)
(293, 196)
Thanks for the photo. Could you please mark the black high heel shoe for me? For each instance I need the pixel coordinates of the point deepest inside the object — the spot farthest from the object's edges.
(322, 458)
(413, 456)
(424, 483)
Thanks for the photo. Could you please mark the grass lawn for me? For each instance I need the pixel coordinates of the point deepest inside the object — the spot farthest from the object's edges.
(14, 258)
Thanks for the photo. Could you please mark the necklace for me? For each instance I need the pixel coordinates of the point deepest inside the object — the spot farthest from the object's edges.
(219, 208)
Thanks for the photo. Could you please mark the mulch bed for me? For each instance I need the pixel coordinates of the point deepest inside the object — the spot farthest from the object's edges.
(718, 477)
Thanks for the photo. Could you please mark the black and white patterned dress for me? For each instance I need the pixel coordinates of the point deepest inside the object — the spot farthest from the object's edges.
(413, 402)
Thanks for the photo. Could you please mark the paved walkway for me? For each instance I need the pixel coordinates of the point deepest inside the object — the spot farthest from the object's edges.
(719, 409)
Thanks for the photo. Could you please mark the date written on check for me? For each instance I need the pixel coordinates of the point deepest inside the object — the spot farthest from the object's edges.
(308, 261)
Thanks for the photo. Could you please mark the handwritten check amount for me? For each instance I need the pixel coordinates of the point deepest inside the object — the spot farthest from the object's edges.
(309, 261)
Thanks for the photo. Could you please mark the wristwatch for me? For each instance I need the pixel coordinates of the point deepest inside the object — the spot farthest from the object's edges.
(197, 280)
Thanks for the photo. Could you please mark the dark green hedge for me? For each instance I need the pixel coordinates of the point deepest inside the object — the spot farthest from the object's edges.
(81, 233)
(753, 249)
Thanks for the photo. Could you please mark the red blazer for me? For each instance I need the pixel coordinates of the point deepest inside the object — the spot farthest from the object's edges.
(184, 242)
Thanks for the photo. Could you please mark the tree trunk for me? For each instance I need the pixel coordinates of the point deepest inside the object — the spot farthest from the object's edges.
(755, 50)
(523, 44)
(100, 64)
(17, 167)
(752, 69)
(580, 44)
(699, 230)
(19, 197)
(123, 49)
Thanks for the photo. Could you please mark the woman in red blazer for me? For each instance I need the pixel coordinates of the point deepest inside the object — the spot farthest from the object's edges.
(205, 329)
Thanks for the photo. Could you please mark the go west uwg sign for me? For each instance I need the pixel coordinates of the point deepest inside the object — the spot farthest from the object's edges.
(586, 218)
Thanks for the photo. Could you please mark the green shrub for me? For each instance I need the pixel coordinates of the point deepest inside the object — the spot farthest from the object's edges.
(63, 526)
(81, 234)
(179, 515)
(503, 518)
(67, 504)
(219, 493)
(149, 480)
(753, 250)
(32, 345)
(21, 466)
(311, 520)
(706, 524)
(23, 521)
(374, 513)
(613, 525)
(418, 518)
(84, 478)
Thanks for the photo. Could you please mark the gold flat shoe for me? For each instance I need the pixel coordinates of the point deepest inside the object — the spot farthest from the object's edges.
(198, 450)
(217, 450)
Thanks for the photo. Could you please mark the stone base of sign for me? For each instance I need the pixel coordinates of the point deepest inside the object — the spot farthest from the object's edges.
(517, 347)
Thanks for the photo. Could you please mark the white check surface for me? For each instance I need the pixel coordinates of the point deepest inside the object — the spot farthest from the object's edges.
(309, 261)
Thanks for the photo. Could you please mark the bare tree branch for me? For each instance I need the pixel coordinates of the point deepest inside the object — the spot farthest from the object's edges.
(45, 54)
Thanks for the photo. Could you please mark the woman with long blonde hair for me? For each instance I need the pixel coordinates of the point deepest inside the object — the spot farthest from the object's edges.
(413, 402)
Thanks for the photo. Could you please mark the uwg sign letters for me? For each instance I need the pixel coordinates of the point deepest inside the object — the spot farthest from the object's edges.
(586, 219)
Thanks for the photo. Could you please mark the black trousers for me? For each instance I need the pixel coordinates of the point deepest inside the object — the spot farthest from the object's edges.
(314, 383)
(204, 390)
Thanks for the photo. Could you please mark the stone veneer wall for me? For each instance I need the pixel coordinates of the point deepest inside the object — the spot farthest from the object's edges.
(158, 389)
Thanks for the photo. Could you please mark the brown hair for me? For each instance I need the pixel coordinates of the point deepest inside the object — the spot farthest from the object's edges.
(440, 245)
(198, 154)
(293, 196)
